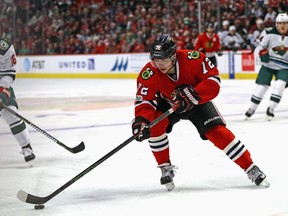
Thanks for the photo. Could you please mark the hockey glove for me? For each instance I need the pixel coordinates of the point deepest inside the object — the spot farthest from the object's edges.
(219, 52)
(140, 128)
(186, 98)
(4, 95)
(264, 55)
(202, 50)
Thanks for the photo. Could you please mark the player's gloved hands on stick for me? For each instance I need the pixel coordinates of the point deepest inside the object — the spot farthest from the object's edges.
(264, 55)
(4, 96)
(140, 128)
(186, 98)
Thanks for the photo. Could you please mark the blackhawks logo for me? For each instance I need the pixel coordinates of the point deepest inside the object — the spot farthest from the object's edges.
(193, 55)
(147, 74)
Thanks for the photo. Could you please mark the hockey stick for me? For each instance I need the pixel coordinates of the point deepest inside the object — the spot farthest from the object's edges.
(29, 198)
(253, 48)
(74, 150)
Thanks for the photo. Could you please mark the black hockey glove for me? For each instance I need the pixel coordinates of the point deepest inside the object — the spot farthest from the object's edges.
(219, 52)
(202, 50)
(186, 98)
(4, 96)
(140, 128)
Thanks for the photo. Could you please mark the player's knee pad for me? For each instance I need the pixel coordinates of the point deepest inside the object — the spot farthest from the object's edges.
(220, 136)
(261, 90)
(279, 87)
(8, 117)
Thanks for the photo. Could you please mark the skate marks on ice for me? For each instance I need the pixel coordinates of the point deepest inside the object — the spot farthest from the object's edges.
(205, 181)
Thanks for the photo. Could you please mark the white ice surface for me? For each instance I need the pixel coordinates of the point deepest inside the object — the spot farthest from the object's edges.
(99, 113)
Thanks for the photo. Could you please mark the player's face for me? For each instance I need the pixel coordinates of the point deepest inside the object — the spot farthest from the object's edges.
(164, 65)
(210, 30)
(282, 27)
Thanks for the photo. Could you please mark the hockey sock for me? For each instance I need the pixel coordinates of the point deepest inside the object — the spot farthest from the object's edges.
(258, 95)
(225, 140)
(277, 92)
(160, 148)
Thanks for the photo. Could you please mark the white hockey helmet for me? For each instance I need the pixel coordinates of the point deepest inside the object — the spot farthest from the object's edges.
(282, 17)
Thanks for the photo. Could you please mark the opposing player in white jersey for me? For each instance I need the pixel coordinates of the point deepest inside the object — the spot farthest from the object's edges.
(273, 52)
(7, 77)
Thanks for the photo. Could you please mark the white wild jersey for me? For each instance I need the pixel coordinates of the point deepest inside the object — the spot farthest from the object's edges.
(7, 59)
(277, 45)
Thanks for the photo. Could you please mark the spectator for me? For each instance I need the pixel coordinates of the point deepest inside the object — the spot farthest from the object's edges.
(270, 15)
(23, 50)
(241, 29)
(92, 19)
(256, 31)
(233, 41)
(224, 32)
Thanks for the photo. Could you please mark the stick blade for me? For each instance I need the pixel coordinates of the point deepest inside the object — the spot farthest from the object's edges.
(79, 148)
(28, 198)
(22, 195)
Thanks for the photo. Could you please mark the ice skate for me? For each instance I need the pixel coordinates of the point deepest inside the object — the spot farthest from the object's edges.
(269, 114)
(249, 113)
(167, 175)
(28, 154)
(257, 176)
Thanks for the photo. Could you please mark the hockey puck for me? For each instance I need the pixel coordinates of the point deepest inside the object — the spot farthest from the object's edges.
(39, 206)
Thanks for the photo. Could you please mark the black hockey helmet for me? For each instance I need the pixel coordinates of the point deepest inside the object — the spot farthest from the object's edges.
(209, 25)
(163, 47)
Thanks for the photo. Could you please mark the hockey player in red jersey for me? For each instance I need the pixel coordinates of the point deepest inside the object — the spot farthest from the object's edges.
(209, 43)
(189, 80)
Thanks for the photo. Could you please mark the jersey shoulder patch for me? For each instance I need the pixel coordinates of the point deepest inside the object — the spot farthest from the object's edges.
(193, 54)
(147, 74)
(4, 46)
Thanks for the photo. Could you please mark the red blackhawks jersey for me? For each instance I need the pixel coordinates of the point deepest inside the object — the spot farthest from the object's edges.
(210, 44)
(192, 68)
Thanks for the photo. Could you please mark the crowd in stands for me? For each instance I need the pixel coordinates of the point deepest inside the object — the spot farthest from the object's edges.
(123, 26)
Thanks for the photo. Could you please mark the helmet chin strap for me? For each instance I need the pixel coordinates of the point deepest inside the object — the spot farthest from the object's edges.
(173, 59)
(172, 70)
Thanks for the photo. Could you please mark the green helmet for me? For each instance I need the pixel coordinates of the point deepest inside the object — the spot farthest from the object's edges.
(163, 47)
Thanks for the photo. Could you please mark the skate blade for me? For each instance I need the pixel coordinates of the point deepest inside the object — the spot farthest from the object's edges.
(265, 184)
(269, 118)
(30, 164)
(247, 117)
(170, 186)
